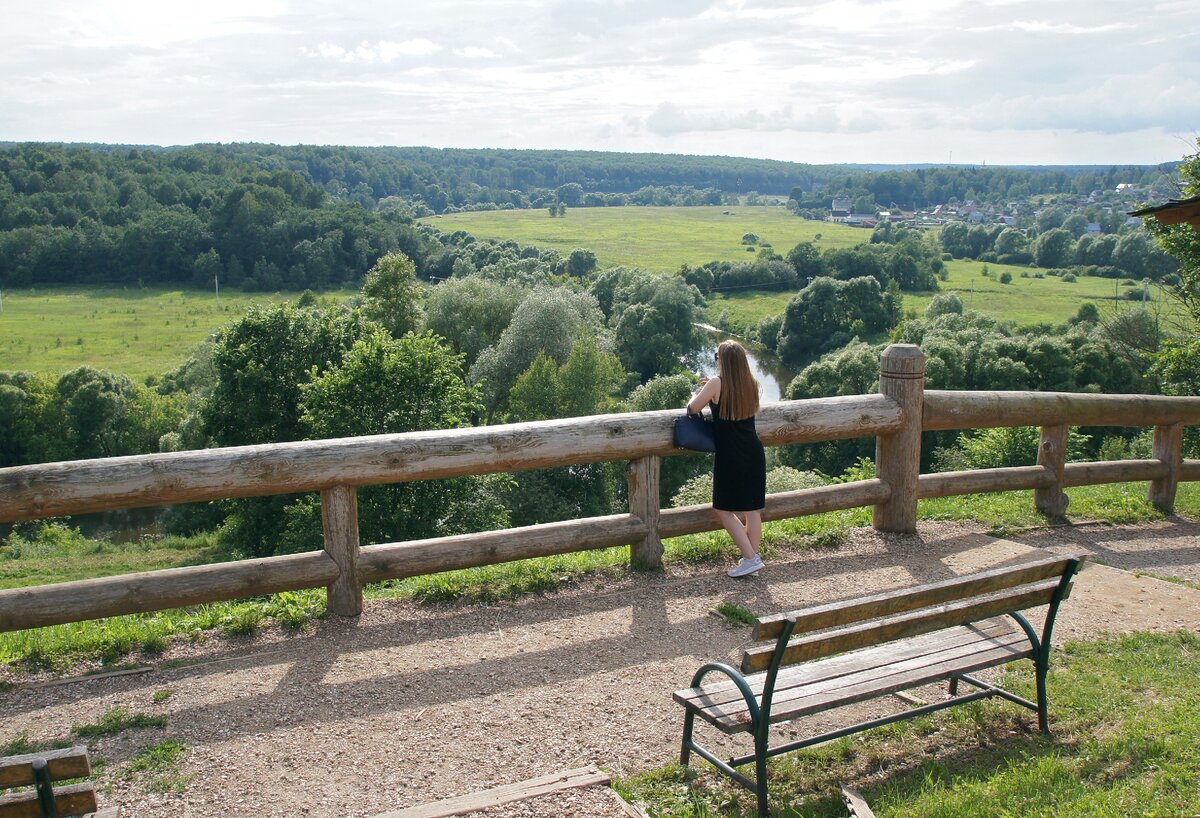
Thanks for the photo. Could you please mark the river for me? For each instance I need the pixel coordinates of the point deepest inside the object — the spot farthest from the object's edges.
(771, 374)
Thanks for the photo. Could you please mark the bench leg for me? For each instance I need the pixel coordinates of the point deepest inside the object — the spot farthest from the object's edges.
(760, 780)
(953, 685)
(685, 750)
(1043, 707)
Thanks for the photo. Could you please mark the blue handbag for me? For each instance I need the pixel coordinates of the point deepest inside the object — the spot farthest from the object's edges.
(695, 432)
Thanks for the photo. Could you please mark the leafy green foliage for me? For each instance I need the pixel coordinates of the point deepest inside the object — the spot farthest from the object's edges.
(392, 295)
(116, 720)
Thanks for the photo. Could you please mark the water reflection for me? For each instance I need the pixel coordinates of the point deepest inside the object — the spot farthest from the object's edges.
(772, 375)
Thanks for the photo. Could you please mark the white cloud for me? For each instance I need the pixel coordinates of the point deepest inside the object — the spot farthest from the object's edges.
(831, 80)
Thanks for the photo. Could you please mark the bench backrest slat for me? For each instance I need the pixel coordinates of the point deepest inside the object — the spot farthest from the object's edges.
(73, 799)
(884, 604)
(910, 623)
(70, 762)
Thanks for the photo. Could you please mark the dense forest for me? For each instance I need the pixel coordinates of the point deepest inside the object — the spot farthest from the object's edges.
(265, 217)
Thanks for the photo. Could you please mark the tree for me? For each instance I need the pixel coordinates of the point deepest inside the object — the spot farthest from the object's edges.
(1054, 248)
(955, 239)
(570, 194)
(471, 313)
(260, 364)
(548, 321)
(806, 258)
(670, 392)
(386, 385)
(654, 322)
(581, 262)
(392, 294)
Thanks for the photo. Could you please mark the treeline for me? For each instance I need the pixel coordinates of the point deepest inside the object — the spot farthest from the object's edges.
(266, 217)
(1058, 241)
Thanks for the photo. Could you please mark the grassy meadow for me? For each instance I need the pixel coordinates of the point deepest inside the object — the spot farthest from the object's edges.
(1024, 301)
(134, 331)
(659, 239)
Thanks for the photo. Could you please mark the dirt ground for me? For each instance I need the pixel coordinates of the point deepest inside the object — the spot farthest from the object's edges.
(409, 704)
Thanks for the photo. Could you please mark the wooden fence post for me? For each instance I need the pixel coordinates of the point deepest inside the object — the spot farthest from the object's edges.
(1052, 453)
(339, 518)
(898, 456)
(1168, 447)
(643, 475)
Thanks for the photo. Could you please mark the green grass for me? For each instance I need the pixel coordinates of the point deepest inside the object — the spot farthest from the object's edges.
(1124, 717)
(659, 239)
(118, 720)
(159, 764)
(735, 614)
(114, 639)
(137, 332)
(58, 554)
(1023, 302)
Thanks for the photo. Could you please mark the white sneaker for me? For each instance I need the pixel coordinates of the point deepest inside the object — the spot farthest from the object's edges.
(746, 567)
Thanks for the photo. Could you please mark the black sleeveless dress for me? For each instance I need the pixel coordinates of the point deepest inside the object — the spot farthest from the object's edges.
(740, 468)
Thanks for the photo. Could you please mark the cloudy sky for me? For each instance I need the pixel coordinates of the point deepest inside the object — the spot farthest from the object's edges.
(890, 81)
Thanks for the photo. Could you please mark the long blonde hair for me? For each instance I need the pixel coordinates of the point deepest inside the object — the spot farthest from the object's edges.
(739, 390)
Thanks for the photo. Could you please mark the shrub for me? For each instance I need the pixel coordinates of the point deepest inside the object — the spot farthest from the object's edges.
(1069, 278)
(1006, 277)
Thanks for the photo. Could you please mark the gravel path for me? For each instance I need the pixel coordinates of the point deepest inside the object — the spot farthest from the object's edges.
(409, 704)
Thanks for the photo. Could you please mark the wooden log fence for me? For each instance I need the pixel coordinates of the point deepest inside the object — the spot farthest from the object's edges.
(896, 417)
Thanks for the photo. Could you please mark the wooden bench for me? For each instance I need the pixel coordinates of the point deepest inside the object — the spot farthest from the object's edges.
(39, 771)
(873, 646)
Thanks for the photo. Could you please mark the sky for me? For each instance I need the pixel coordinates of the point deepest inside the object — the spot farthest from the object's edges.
(998, 82)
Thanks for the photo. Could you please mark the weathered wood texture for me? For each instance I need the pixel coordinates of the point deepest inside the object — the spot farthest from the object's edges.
(1050, 499)
(904, 625)
(887, 603)
(1112, 471)
(644, 477)
(856, 803)
(72, 799)
(69, 762)
(1189, 470)
(77, 487)
(675, 522)
(339, 521)
(982, 481)
(898, 454)
(949, 409)
(1168, 449)
(522, 790)
(41, 605)
(417, 557)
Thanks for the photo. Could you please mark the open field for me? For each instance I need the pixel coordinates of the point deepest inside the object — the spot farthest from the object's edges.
(1024, 301)
(137, 332)
(659, 239)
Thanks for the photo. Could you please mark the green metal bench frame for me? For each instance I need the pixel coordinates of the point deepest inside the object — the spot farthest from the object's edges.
(895, 619)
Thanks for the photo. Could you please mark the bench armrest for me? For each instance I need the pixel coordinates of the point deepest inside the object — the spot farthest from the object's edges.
(738, 679)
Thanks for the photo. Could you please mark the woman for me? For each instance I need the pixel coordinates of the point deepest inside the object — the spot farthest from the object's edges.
(740, 468)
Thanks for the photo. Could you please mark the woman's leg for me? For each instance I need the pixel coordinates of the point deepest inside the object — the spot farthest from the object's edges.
(754, 529)
(738, 531)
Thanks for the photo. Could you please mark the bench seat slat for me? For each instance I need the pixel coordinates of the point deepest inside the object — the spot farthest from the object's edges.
(70, 762)
(811, 688)
(899, 627)
(722, 690)
(887, 603)
(875, 662)
(73, 799)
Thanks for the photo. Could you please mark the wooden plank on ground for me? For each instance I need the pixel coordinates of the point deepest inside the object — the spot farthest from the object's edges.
(583, 777)
(856, 803)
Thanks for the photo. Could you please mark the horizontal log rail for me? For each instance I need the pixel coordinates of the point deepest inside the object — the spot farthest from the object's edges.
(947, 410)
(84, 486)
(895, 417)
(147, 591)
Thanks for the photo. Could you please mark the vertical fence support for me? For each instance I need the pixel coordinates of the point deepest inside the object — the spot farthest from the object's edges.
(1168, 447)
(643, 475)
(339, 518)
(898, 456)
(1052, 453)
